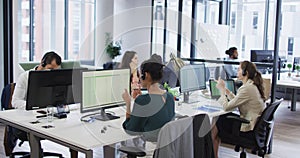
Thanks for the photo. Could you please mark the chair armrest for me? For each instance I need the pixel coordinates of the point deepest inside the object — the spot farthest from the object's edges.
(133, 151)
(242, 120)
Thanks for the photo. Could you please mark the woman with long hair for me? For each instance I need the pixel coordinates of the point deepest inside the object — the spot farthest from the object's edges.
(130, 61)
(250, 101)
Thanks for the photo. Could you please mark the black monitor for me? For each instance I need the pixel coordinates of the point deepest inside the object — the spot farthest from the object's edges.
(262, 56)
(54, 87)
(102, 90)
(192, 77)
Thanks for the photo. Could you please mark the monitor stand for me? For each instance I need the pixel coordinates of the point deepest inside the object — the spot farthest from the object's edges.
(104, 116)
(187, 99)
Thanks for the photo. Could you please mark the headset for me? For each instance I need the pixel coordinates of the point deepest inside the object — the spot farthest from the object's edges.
(244, 71)
(143, 75)
(44, 63)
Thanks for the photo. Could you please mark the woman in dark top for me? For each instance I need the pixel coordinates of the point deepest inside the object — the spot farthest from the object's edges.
(150, 111)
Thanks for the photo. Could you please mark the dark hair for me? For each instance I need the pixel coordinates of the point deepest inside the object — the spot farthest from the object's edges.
(49, 57)
(126, 60)
(250, 69)
(154, 68)
(230, 51)
(156, 58)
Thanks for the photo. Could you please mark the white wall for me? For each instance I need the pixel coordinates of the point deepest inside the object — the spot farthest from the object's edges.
(132, 24)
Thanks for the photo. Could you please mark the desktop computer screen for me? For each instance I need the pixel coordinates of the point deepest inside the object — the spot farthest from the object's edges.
(262, 56)
(192, 77)
(214, 91)
(53, 87)
(104, 89)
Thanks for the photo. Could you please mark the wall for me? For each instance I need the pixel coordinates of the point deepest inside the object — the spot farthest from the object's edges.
(132, 24)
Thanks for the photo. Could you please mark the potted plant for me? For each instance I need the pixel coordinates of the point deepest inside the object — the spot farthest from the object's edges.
(112, 48)
(297, 69)
(289, 66)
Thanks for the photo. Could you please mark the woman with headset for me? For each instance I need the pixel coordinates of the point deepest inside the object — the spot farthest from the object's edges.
(250, 101)
(150, 111)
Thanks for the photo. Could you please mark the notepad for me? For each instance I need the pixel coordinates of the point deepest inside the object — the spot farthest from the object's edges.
(209, 108)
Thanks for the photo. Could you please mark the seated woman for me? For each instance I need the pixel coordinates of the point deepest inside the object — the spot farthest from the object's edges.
(150, 111)
(249, 101)
(130, 61)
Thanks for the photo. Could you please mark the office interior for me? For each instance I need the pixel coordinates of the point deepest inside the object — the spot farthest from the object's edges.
(81, 30)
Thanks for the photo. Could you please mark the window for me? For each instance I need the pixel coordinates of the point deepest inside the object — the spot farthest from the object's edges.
(158, 27)
(255, 20)
(251, 14)
(81, 36)
(63, 26)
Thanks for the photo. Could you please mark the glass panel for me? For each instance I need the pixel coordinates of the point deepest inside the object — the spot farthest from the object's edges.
(212, 12)
(186, 29)
(207, 30)
(158, 27)
(48, 27)
(22, 27)
(289, 44)
(172, 29)
(247, 29)
(81, 26)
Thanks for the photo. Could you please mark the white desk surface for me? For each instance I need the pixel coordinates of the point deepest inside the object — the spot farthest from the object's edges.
(88, 135)
(72, 130)
(290, 82)
(190, 109)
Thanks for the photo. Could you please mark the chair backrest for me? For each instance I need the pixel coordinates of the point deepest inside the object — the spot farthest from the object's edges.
(6, 96)
(188, 137)
(264, 124)
(220, 72)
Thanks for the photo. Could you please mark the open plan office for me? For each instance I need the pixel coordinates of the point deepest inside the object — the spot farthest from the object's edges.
(149, 78)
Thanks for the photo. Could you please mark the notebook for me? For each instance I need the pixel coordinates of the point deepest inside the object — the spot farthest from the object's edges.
(214, 91)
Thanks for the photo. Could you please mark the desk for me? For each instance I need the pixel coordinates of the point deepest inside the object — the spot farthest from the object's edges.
(191, 109)
(84, 137)
(294, 85)
(69, 132)
(288, 82)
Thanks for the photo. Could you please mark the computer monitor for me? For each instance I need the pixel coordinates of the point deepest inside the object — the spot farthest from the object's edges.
(262, 56)
(53, 87)
(102, 90)
(192, 77)
(214, 91)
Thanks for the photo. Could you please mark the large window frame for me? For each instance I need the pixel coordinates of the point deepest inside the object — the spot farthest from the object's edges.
(64, 25)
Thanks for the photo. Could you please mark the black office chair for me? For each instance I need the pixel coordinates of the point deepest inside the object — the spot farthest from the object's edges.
(201, 137)
(258, 139)
(11, 135)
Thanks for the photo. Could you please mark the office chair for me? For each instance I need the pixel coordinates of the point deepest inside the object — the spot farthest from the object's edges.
(11, 135)
(179, 139)
(259, 138)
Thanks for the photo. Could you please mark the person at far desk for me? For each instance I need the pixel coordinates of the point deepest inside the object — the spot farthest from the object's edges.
(230, 70)
(150, 111)
(250, 101)
(130, 61)
(50, 60)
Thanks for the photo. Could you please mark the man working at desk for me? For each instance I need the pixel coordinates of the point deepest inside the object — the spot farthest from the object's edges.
(50, 60)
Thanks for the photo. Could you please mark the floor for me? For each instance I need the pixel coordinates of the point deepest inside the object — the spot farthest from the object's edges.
(286, 139)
